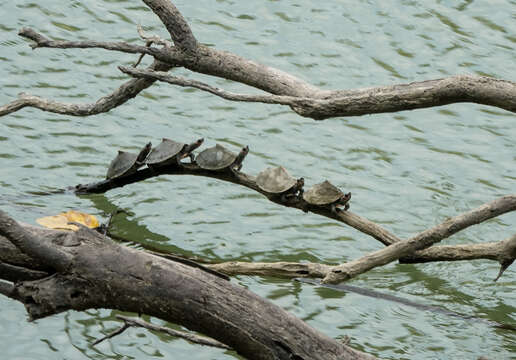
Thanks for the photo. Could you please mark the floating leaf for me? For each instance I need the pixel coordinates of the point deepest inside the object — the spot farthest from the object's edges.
(61, 221)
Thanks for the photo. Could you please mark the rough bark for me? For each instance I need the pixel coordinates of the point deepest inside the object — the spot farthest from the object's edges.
(92, 271)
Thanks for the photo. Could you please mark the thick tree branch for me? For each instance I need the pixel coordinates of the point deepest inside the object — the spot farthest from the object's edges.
(304, 98)
(8, 290)
(175, 23)
(464, 88)
(104, 274)
(422, 240)
(52, 256)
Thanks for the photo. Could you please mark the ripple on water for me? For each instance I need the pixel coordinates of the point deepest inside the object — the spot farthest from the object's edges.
(406, 171)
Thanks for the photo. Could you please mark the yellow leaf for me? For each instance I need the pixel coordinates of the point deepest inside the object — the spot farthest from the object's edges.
(60, 221)
(82, 218)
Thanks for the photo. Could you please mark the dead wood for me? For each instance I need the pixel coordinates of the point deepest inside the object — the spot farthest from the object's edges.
(422, 240)
(92, 271)
(305, 99)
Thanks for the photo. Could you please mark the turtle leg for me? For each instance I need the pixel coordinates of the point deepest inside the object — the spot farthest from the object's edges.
(334, 209)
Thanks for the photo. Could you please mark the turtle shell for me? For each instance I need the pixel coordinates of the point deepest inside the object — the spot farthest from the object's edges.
(215, 158)
(322, 194)
(122, 164)
(164, 152)
(126, 163)
(275, 180)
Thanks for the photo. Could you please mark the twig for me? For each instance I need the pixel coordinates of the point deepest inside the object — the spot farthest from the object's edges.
(180, 81)
(202, 340)
(113, 334)
(155, 39)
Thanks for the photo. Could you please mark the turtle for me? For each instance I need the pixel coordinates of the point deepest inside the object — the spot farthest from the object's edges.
(171, 152)
(126, 163)
(278, 181)
(220, 158)
(326, 194)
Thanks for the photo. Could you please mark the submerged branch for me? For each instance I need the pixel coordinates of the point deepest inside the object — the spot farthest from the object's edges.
(202, 340)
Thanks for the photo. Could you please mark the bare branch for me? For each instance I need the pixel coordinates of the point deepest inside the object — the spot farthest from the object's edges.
(466, 88)
(121, 95)
(176, 80)
(507, 255)
(422, 240)
(154, 39)
(43, 42)
(175, 23)
(202, 340)
(502, 251)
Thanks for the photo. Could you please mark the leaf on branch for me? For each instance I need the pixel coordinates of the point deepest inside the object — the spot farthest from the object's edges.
(62, 221)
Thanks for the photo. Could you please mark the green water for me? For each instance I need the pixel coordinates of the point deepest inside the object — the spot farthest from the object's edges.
(407, 171)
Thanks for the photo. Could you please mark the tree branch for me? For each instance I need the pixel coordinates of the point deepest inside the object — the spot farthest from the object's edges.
(202, 340)
(121, 95)
(27, 243)
(243, 179)
(175, 23)
(304, 98)
(104, 274)
(422, 240)
(464, 88)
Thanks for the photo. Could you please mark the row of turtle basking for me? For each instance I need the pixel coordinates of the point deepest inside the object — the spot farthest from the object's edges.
(277, 181)
(273, 181)
(170, 152)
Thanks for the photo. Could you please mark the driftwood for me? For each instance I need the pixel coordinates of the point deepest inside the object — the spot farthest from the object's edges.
(413, 250)
(54, 271)
(89, 270)
(283, 88)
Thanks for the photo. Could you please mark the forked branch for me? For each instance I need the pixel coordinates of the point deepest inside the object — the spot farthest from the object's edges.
(305, 99)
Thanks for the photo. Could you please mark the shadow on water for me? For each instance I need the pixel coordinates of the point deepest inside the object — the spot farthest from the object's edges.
(383, 296)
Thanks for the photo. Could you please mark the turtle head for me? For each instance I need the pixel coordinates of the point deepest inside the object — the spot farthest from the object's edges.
(191, 147)
(345, 198)
(144, 152)
(237, 164)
